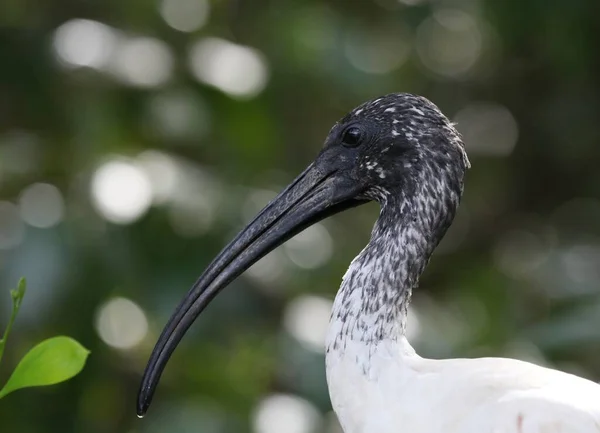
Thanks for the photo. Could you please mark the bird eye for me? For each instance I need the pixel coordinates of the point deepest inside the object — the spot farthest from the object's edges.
(352, 136)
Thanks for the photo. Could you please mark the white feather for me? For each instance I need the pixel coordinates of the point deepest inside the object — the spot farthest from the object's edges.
(404, 393)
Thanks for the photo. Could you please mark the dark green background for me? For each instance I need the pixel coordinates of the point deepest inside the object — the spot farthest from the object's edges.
(517, 276)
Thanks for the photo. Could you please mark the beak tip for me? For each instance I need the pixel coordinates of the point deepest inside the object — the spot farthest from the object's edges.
(143, 404)
(141, 409)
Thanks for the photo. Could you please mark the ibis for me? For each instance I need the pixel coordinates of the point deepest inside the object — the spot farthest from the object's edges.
(402, 152)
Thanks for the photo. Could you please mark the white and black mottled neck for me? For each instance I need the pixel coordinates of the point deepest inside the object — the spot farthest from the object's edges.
(372, 302)
(416, 173)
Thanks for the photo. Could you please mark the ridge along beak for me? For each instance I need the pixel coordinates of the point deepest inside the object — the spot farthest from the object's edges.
(318, 192)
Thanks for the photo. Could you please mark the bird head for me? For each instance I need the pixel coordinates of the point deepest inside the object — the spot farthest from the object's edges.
(393, 145)
(388, 148)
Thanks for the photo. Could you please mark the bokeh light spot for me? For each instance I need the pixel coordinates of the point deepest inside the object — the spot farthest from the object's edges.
(310, 248)
(143, 62)
(271, 268)
(121, 323)
(234, 69)
(185, 15)
(162, 171)
(80, 42)
(582, 263)
(41, 205)
(306, 318)
(121, 191)
(283, 413)
(449, 43)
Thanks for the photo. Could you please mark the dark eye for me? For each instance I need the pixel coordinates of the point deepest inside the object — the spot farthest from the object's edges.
(352, 136)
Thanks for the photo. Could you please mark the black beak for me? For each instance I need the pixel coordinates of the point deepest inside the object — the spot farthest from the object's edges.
(316, 194)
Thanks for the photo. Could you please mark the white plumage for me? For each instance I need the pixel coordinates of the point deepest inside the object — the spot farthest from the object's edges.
(378, 384)
(403, 392)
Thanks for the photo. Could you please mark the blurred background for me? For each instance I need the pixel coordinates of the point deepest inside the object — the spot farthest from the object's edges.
(136, 138)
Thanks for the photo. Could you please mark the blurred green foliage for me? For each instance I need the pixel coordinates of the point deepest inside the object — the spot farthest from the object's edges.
(133, 146)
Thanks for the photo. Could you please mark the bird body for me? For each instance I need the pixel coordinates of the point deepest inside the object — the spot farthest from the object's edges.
(402, 392)
(379, 384)
(402, 152)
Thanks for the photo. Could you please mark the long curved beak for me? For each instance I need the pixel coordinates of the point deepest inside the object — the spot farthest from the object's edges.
(312, 196)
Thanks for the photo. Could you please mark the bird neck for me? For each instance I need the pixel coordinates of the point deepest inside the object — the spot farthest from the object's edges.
(372, 302)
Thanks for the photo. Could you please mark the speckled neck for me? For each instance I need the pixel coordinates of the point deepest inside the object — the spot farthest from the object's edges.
(373, 299)
(372, 302)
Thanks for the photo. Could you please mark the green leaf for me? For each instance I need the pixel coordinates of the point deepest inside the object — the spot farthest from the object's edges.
(52, 361)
